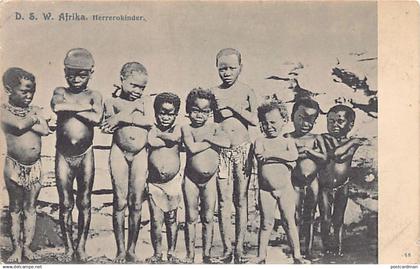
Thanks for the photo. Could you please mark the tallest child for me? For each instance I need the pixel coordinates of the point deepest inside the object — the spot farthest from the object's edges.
(78, 110)
(236, 112)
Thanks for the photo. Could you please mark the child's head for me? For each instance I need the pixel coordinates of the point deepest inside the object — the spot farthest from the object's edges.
(133, 80)
(166, 107)
(19, 85)
(272, 116)
(200, 104)
(340, 120)
(229, 65)
(304, 113)
(78, 68)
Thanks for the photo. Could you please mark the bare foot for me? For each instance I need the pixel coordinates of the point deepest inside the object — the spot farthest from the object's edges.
(16, 256)
(257, 260)
(29, 254)
(131, 256)
(155, 259)
(300, 260)
(67, 257)
(81, 256)
(120, 257)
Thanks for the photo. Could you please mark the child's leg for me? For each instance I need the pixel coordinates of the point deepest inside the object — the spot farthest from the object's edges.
(15, 209)
(267, 207)
(64, 176)
(309, 207)
(29, 199)
(191, 194)
(171, 230)
(287, 203)
(325, 212)
(224, 194)
(119, 176)
(340, 205)
(240, 201)
(136, 187)
(156, 221)
(207, 205)
(85, 176)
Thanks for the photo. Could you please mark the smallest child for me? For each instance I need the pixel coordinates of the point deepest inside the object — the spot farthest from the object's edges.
(335, 176)
(276, 154)
(164, 182)
(23, 126)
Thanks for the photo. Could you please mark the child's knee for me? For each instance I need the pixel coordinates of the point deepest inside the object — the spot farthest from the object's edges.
(267, 225)
(191, 219)
(83, 203)
(170, 217)
(120, 204)
(67, 205)
(135, 204)
(207, 218)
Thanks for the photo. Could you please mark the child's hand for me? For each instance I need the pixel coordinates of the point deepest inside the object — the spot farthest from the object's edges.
(110, 124)
(221, 103)
(360, 141)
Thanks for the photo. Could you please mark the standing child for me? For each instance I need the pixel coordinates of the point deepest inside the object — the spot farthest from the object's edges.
(129, 118)
(164, 182)
(78, 110)
(236, 112)
(276, 154)
(202, 140)
(23, 126)
(305, 175)
(334, 178)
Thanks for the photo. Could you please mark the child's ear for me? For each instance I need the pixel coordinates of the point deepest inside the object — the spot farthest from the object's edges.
(8, 90)
(92, 71)
(121, 78)
(351, 125)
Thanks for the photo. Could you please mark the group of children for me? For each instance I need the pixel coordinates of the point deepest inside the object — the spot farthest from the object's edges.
(296, 171)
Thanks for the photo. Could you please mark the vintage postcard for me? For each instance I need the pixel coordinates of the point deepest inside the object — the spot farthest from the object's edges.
(218, 132)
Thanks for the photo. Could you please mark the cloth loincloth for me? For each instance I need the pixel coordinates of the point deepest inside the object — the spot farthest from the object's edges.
(230, 157)
(166, 196)
(24, 175)
(76, 160)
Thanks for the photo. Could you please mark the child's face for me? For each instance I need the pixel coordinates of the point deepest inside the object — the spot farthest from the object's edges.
(166, 115)
(77, 78)
(200, 112)
(22, 94)
(134, 85)
(337, 124)
(229, 69)
(273, 123)
(304, 119)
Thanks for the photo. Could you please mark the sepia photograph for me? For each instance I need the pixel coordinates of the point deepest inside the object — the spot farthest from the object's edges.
(189, 132)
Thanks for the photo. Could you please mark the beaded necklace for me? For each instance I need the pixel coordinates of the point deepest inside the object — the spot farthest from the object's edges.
(17, 111)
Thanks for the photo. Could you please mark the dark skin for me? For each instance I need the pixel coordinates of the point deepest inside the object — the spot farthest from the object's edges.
(164, 164)
(311, 150)
(333, 178)
(78, 110)
(23, 139)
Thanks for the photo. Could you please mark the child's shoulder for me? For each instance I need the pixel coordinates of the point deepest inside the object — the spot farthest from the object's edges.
(93, 93)
(60, 90)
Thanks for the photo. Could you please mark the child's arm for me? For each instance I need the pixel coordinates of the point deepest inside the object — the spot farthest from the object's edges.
(153, 139)
(218, 138)
(321, 156)
(191, 145)
(18, 124)
(108, 112)
(290, 154)
(347, 150)
(174, 137)
(94, 115)
(248, 114)
(59, 103)
(40, 128)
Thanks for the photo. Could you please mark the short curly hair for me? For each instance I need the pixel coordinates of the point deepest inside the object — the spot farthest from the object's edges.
(226, 52)
(306, 102)
(270, 106)
(13, 75)
(202, 94)
(350, 114)
(131, 67)
(166, 97)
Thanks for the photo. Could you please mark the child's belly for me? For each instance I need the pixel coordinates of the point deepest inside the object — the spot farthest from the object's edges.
(306, 167)
(73, 136)
(236, 131)
(274, 176)
(130, 138)
(334, 175)
(164, 165)
(202, 166)
(25, 149)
